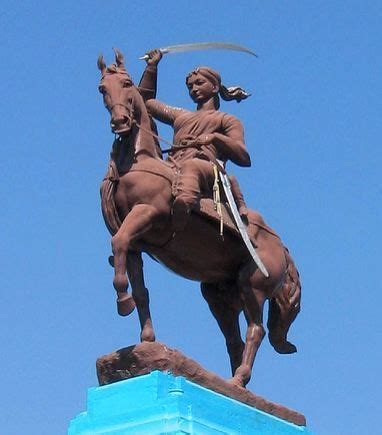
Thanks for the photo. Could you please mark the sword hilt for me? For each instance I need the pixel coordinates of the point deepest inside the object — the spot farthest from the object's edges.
(146, 56)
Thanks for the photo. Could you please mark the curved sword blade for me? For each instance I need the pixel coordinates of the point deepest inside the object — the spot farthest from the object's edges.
(181, 48)
(240, 226)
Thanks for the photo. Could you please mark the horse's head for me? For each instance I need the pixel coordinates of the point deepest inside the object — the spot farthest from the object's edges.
(118, 93)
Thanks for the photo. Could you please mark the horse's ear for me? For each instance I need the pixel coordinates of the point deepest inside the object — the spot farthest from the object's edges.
(101, 64)
(119, 59)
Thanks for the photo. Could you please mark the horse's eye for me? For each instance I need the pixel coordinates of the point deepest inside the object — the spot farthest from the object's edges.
(126, 83)
(101, 89)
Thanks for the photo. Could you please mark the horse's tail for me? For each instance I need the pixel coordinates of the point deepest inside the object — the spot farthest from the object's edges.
(284, 307)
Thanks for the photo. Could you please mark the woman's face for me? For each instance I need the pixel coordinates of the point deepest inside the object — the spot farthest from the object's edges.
(200, 88)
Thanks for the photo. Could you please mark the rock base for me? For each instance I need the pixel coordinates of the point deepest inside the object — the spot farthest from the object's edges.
(145, 358)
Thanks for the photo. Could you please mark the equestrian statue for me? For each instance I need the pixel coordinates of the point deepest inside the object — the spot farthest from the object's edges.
(172, 209)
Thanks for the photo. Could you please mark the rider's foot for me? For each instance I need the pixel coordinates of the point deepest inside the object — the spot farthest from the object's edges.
(243, 211)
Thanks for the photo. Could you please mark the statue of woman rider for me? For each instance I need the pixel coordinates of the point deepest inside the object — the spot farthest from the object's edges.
(200, 137)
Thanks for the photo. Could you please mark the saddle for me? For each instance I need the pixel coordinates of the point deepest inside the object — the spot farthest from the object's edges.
(205, 207)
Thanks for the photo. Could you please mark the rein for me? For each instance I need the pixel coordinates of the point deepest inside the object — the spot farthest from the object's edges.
(185, 144)
(156, 136)
(114, 179)
(173, 146)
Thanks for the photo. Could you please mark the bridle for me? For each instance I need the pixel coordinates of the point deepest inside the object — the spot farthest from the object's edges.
(122, 105)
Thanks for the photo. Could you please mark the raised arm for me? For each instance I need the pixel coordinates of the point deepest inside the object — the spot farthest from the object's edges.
(148, 84)
(148, 90)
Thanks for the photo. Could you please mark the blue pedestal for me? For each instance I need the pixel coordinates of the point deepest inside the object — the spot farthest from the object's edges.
(159, 403)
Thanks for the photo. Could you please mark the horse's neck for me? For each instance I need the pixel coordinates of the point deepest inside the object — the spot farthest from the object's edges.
(144, 142)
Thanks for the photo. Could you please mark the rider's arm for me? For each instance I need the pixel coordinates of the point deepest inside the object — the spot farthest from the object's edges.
(148, 89)
(148, 84)
(230, 142)
(162, 112)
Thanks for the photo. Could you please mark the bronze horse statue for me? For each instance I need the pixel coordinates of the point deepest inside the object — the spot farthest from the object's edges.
(137, 201)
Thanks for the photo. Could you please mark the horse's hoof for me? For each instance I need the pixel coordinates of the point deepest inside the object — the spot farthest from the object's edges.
(125, 305)
(285, 347)
(236, 382)
(147, 336)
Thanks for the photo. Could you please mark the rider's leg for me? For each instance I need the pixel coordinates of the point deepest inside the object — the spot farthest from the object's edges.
(238, 196)
(195, 176)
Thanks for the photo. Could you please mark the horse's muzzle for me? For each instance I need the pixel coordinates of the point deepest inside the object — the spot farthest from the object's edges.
(120, 125)
(121, 118)
(121, 131)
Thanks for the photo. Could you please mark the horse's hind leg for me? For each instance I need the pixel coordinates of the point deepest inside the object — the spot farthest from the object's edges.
(140, 294)
(225, 305)
(284, 307)
(253, 303)
(281, 315)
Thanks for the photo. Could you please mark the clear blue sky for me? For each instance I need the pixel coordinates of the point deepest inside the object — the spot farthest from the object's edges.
(313, 129)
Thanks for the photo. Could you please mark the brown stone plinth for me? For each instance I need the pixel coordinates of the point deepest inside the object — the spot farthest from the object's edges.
(144, 358)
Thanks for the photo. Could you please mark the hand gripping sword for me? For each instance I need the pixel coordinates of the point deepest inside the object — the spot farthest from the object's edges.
(181, 48)
(239, 223)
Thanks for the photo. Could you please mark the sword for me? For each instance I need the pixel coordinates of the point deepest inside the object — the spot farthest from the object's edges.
(181, 48)
(240, 225)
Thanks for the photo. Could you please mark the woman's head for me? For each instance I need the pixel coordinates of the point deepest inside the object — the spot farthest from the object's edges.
(205, 83)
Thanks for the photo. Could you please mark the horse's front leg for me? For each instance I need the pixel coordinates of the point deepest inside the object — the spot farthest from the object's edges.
(135, 224)
(140, 294)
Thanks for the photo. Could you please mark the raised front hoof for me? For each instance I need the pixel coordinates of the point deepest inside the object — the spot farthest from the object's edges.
(284, 347)
(125, 305)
